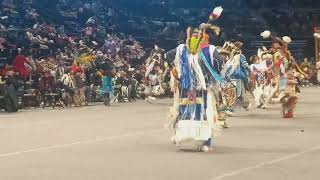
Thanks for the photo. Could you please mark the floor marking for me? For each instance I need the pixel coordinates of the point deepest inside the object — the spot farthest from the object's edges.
(92, 141)
(243, 170)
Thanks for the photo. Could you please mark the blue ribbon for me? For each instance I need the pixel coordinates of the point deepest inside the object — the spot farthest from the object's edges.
(186, 79)
(213, 73)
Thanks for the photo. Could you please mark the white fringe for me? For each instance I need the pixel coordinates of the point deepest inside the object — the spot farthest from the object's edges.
(212, 114)
(198, 73)
(174, 110)
(193, 130)
(149, 69)
(177, 59)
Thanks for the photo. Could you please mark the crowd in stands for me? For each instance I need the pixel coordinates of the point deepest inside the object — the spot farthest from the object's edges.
(72, 45)
(68, 69)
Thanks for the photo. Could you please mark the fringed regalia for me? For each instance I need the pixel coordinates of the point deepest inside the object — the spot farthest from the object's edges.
(261, 76)
(284, 79)
(155, 72)
(197, 80)
(236, 72)
(196, 83)
(288, 95)
(258, 82)
(198, 77)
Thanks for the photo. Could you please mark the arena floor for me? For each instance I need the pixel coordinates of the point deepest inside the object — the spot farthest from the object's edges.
(128, 142)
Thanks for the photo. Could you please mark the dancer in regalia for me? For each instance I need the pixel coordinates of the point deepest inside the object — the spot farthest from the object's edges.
(284, 79)
(155, 72)
(197, 81)
(258, 71)
(237, 72)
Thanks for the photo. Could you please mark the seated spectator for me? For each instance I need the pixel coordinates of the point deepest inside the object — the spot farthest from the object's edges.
(75, 68)
(47, 83)
(10, 92)
(19, 65)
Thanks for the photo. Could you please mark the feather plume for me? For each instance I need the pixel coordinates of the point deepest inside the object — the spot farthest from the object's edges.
(287, 39)
(189, 35)
(266, 34)
(216, 13)
(149, 69)
(214, 28)
(264, 48)
(95, 43)
(260, 52)
(225, 45)
(189, 32)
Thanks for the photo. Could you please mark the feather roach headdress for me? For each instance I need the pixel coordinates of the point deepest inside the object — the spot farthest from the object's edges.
(198, 38)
